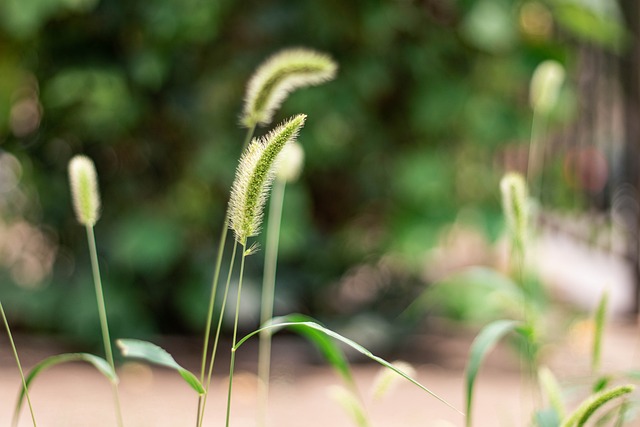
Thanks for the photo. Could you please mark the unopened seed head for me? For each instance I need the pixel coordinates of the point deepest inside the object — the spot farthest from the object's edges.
(290, 162)
(84, 190)
(515, 201)
(545, 85)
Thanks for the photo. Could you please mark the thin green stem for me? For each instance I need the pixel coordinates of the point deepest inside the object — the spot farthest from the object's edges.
(536, 152)
(247, 138)
(217, 337)
(212, 300)
(102, 311)
(207, 333)
(15, 355)
(235, 331)
(529, 321)
(268, 295)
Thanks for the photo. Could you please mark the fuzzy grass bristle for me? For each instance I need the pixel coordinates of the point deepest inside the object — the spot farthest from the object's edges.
(279, 75)
(84, 190)
(254, 176)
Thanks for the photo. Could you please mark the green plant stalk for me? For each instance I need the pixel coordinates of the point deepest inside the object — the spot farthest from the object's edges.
(599, 320)
(235, 332)
(531, 362)
(536, 151)
(212, 300)
(268, 296)
(103, 317)
(15, 355)
(217, 337)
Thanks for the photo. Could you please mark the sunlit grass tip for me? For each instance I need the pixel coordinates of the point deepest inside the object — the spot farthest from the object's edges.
(515, 203)
(546, 82)
(279, 75)
(84, 190)
(254, 176)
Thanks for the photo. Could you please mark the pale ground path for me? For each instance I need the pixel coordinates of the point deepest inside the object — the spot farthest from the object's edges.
(75, 395)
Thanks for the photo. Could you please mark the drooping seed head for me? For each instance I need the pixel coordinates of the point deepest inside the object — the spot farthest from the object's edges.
(545, 86)
(254, 175)
(280, 75)
(515, 201)
(84, 190)
(290, 162)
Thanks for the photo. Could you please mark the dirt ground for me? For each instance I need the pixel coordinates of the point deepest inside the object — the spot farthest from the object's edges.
(75, 395)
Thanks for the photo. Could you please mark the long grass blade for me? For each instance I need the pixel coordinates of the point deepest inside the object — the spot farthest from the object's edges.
(152, 353)
(549, 384)
(99, 363)
(279, 323)
(482, 345)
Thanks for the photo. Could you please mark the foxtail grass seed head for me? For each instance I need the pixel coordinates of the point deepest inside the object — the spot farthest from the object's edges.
(290, 162)
(84, 190)
(545, 86)
(280, 75)
(515, 201)
(254, 175)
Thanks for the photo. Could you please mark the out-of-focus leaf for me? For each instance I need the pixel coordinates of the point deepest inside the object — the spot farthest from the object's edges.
(490, 26)
(551, 388)
(146, 243)
(99, 99)
(597, 25)
(547, 418)
(484, 342)
(457, 295)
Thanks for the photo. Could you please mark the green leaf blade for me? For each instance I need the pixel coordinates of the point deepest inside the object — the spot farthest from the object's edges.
(330, 351)
(278, 323)
(482, 345)
(149, 352)
(99, 363)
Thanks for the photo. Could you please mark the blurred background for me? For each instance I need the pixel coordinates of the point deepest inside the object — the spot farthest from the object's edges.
(404, 150)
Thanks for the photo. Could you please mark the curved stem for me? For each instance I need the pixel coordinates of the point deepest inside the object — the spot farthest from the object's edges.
(102, 311)
(235, 331)
(15, 355)
(268, 295)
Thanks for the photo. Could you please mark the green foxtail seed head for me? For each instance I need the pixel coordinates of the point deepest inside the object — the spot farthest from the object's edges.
(254, 175)
(84, 190)
(280, 75)
(515, 201)
(545, 86)
(290, 162)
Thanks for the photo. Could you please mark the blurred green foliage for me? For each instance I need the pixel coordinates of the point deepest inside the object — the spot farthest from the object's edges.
(428, 95)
